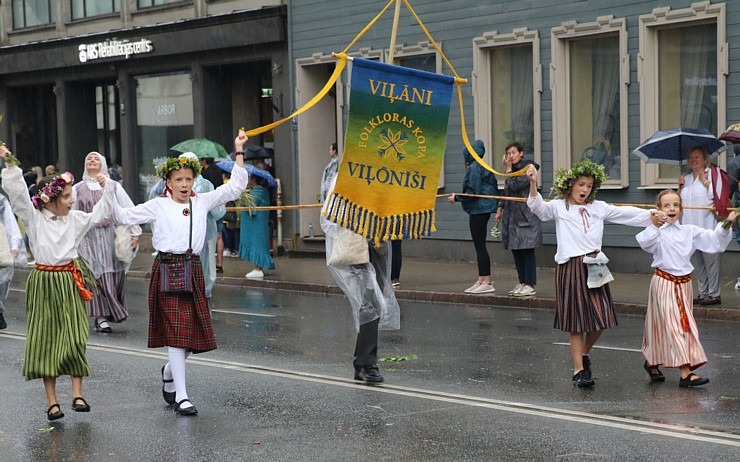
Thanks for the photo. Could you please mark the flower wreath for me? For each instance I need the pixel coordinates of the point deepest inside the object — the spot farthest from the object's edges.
(49, 192)
(177, 163)
(564, 178)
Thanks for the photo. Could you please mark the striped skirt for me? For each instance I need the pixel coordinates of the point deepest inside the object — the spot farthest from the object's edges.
(109, 301)
(57, 327)
(580, 309)
(666, 342)
(180, 320)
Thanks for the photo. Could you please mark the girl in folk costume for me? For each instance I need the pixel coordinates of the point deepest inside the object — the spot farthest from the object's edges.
(180, 320)
(583, 309)
(671, 337)
(15, 245)
(55, 289)
(98, 247)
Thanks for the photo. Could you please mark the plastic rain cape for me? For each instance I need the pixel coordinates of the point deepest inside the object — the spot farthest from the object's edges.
(368, 287)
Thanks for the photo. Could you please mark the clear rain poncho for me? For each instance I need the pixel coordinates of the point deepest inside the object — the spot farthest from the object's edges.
(368, 286)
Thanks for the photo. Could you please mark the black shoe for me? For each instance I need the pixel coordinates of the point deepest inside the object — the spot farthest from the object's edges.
(583, 379)
(187, 411)
(370, 374)
(710, 301)
(169, 396)
(219, 269)
(653, 372)
(3, 324)
(587, 363)
(54, 415)
(77, 407)
(103, 326)
(687, 382)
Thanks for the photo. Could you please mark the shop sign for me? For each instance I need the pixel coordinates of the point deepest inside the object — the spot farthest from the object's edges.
(113, 48)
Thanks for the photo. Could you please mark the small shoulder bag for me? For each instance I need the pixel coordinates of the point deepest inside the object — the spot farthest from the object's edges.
(176, 271)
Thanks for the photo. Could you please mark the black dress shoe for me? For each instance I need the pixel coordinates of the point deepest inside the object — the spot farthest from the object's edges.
(654, 372)
(185, 411)
(58, 414)
(710, 301)
(3, 324)
(80, 405)
(369, 374)
(687, 382)
(583, 379)
(169, 396)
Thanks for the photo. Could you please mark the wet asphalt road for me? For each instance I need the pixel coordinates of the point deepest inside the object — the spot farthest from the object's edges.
(487, 384)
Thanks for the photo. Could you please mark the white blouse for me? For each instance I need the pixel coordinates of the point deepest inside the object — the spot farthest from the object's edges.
(53, 239)
(673, 244)
(580, 228)
(171, 226)
(696, 194)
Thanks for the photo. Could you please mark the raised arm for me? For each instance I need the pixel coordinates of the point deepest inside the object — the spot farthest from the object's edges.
(16, 189)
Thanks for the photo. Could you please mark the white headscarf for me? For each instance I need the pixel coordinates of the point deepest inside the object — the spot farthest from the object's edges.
(91, 182)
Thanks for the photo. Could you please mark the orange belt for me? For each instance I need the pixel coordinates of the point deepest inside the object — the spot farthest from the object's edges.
(677, 280)
(76, 275)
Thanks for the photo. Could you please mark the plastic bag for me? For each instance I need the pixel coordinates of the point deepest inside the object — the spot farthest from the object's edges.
(349, 249)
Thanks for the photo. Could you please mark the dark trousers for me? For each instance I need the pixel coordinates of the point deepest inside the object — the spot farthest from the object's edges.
(526, 266)
(478, 230)
(396, 259)
(366, 348)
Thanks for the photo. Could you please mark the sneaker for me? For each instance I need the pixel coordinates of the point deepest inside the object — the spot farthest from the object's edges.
(483, 289)
(470, 289)
(525, 291)
(3, 324)
(737, 284)
(255, 274)
(395, 283)
(516, 289)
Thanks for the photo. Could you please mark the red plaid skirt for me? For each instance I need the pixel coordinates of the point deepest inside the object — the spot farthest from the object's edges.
(180, 320)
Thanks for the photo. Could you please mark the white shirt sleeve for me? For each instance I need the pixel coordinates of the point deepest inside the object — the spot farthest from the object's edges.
(229, 191)
(544, 210)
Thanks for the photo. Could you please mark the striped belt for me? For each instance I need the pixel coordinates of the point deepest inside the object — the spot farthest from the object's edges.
(76, 276)
(677, 292)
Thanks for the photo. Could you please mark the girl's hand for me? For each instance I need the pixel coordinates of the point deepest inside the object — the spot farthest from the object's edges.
(732, 216)
(658, 218)
(451, 198)
(239, 141)
(532, 173)
(134, 244)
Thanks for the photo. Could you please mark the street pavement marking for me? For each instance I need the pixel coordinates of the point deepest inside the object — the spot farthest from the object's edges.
(246, 314)
(622, 423)
(602, 347)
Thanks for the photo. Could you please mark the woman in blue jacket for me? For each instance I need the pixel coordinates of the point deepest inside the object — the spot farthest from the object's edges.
(481, 182)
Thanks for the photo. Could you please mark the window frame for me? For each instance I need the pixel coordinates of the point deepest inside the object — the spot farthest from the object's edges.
(560, 87)
(647, 72)
(410, 51)
(52, 16)
(84, 10)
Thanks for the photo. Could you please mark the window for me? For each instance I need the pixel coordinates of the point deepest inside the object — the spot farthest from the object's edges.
(29, 13)
(683, 72)
(90, 8)
(422, 57)
(589, 78)
(507, 86)
(150, 3)
(164, 117)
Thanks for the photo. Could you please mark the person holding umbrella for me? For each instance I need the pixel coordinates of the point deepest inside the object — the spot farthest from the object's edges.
(695, 190)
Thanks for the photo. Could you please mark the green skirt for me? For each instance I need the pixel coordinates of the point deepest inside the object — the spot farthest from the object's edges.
(57, 327)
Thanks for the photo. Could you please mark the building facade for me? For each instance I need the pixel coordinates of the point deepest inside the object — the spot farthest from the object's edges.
(569, 80)
(132, 78)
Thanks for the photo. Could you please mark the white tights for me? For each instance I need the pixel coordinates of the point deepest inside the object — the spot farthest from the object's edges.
(175, 370)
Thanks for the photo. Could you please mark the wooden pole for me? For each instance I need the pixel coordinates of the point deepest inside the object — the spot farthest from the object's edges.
(396, 15)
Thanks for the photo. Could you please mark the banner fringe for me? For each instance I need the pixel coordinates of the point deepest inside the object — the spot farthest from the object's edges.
(378, 229)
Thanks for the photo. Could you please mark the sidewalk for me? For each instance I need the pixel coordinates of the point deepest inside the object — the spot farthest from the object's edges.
(444, 282)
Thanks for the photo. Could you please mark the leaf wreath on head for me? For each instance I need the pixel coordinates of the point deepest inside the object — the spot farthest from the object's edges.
(564, 179)
(177, 163)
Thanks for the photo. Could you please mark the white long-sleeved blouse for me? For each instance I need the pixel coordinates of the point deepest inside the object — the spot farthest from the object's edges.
(53, 239)
(171, 225)
(673, 244)
(580, 228)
